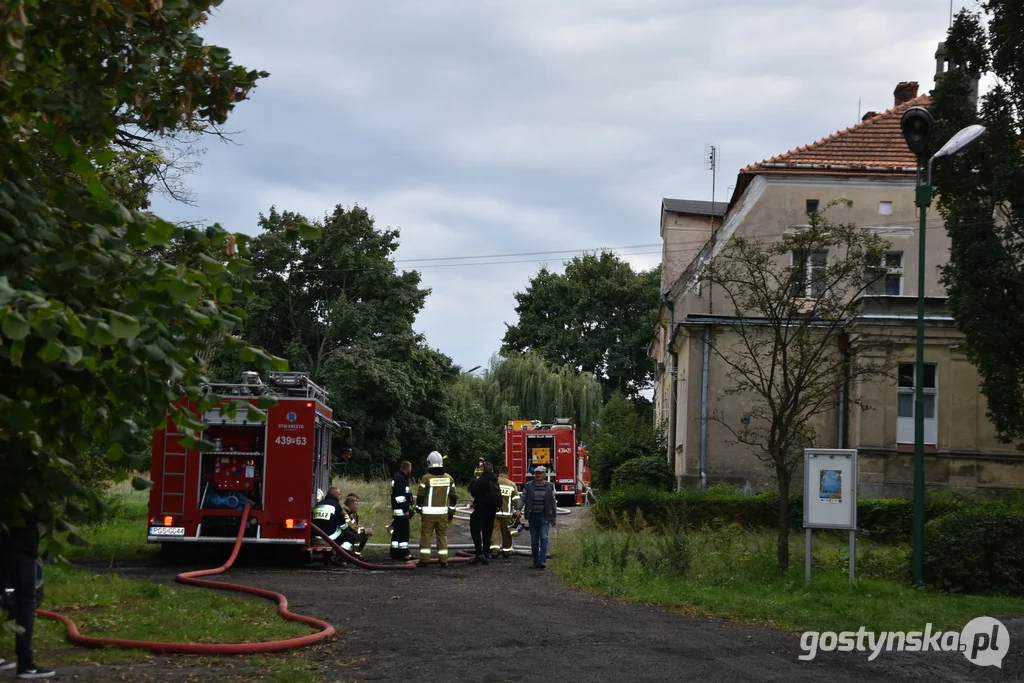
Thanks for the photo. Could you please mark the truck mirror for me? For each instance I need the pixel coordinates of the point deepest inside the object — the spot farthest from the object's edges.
(343, 456)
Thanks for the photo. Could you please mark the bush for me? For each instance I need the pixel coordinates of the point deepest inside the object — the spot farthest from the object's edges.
(880, 520)
(977, 549)
(623, 436)
(651, 472)
(692, 509)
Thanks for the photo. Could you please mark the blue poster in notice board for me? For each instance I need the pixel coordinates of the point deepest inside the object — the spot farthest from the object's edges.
(830, 486)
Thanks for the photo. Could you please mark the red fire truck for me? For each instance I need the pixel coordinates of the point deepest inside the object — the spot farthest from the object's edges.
(282, 465)
(529, 443)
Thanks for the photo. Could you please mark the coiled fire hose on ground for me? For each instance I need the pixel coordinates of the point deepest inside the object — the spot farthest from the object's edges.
(411, 564)
(326, 630)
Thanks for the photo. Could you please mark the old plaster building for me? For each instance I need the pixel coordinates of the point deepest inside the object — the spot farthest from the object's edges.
(869, 164)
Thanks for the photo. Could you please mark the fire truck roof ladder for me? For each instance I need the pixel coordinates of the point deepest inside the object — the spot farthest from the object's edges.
(298, 384)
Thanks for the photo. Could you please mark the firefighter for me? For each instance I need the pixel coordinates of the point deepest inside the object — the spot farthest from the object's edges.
(435, 500)
(327, 514)
(353, 537)
(506, 513)
(402, 510)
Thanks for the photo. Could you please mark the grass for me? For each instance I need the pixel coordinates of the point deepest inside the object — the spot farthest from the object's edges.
(731, 572)
(110, 605)
(375, 504)
(121, 533)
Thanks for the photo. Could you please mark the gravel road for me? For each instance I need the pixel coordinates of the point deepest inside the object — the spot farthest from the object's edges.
(508, 622)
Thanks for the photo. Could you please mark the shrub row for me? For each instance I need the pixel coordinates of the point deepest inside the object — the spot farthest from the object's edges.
(971, 546)
(882, 520)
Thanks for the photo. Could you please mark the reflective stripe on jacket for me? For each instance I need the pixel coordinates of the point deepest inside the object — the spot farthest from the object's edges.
(509, 496)
(434, 495)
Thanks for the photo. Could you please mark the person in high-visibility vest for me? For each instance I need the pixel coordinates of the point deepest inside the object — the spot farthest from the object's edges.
(435, 500)
(506, 513)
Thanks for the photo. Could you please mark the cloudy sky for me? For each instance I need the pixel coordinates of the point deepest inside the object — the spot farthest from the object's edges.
(483, 127)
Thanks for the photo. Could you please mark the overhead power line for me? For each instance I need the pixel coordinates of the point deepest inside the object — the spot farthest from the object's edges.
(525, 253)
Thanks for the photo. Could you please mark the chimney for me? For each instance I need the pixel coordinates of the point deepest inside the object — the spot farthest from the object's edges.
(943, 65)
(904, 92)
(869, 115)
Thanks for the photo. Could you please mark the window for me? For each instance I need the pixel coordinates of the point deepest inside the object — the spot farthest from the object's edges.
(885, 208)
(889, 275)
(812, 205)
(905, 403)
(809, 271)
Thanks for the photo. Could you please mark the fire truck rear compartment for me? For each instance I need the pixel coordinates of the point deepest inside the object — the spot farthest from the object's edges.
(232, 475)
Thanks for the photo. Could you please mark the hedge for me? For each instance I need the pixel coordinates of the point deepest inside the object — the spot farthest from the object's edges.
(977, 549)
(650, 471)
(883, 520)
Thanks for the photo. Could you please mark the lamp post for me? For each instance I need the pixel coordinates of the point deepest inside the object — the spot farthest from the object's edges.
(917, 129)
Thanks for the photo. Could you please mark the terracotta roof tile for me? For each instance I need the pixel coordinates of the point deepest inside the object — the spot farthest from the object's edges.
(873, 146)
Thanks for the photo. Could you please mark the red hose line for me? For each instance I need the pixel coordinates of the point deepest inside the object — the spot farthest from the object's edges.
(411, 564)
(210, 648)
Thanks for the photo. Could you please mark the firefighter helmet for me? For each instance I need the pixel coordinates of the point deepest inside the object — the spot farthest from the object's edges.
(435, 459)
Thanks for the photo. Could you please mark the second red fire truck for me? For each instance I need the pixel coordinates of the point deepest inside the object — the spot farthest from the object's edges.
(530, 443)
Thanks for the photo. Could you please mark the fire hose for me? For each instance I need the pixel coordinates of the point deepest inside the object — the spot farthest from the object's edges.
(326, 630)
(346, 555)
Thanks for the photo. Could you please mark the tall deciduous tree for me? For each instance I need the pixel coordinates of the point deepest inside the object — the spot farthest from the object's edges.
(527, 387)
(597, 317)
(336, 307)
(782, 350)
(981, 198)
(96, 335)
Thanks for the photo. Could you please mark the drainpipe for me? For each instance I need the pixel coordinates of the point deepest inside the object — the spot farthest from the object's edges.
(844, 347)
(671, 346)
(704, 412)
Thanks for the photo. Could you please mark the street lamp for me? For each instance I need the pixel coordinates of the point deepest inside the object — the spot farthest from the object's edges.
(916, 125)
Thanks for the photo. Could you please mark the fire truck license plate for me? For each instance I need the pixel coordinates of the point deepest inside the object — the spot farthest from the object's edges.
(166, 531)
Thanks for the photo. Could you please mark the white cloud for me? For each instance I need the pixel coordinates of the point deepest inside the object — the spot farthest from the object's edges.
(509, 126)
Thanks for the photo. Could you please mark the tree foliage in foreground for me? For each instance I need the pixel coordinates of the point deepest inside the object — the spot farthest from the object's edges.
(98, 337)
(981, 198)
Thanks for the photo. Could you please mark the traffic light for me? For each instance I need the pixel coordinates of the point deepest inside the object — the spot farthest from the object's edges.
(916, 125)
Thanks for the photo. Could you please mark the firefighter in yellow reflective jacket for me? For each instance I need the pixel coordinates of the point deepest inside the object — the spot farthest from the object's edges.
(506, 513)
(435, 499)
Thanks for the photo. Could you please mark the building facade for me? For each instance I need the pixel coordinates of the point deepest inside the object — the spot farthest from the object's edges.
(869, 166)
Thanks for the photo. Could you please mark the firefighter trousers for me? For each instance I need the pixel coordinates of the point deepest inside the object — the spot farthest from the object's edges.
(428, 528)
(400, 538)
(502, 531)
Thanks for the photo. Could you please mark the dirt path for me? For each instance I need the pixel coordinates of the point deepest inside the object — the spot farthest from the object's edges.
(508, 622)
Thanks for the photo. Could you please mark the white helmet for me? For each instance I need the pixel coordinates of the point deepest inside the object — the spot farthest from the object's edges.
(435, 459)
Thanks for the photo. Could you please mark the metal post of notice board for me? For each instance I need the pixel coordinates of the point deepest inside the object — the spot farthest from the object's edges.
(830, 497)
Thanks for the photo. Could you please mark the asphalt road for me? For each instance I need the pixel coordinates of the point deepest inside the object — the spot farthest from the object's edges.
(509, 622)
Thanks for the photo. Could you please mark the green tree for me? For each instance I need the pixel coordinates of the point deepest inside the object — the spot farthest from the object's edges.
(527, 387)
(96, 335)
(336, 307)
(782, 349)
(597, 317)
(981, 198)
(624, 434)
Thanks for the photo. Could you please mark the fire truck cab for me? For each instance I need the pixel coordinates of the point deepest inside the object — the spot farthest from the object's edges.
(529, 444)
(282, 465)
